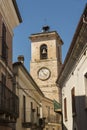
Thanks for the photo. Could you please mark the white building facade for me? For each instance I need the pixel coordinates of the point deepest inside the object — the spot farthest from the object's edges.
(30, 98)
(73, 80)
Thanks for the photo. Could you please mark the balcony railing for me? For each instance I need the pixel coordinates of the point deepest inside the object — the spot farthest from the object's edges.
(53, 119)
(32, 120)
(42, 122)
(34, 125)
(9, 102)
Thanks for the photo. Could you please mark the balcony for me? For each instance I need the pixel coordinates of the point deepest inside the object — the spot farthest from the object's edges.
(42, 122)
(32, 120)
(34, 125)
(9, 105)
(57, 107)
(29, 120)
(53, 119)
(26, 124)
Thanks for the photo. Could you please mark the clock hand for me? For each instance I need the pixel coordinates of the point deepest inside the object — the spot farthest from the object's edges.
(44, 73)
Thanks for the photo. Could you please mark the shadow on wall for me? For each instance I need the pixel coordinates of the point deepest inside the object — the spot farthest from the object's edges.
(79, 116)
(64, 128)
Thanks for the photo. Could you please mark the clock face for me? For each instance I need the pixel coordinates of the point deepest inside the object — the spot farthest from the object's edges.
(44, 73)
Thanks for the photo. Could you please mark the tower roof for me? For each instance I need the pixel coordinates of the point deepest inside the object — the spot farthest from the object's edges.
(49, 34)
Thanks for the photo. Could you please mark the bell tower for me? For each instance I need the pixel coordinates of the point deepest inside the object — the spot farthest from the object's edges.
(46, 61)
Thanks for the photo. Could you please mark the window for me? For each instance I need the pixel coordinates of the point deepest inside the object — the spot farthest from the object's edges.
(85, 76)
(4, 45)
(65, 109)
(37, 111)
(24, 108)
(73, 101)
(3, 81)
(31, 105)
(3, 32)
(32, 113)
(85, 80)
(43, 51)
(59, 54)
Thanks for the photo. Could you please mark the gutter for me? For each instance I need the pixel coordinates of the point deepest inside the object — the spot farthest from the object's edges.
(17, 10)
(82, 22)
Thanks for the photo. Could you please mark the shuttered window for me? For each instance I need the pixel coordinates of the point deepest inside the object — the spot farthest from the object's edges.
(65, 109)
(24, 108)
(4, 44)
(73, 101)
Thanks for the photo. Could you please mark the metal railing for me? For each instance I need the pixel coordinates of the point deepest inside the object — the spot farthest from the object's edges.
(9, 102)
(52, 119)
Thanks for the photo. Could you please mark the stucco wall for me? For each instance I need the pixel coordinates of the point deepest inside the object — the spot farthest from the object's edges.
(76, 79)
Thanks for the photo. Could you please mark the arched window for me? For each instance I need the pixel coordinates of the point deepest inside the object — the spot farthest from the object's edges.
(43, 51)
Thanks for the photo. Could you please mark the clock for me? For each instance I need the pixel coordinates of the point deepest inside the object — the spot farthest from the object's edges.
(44, 73)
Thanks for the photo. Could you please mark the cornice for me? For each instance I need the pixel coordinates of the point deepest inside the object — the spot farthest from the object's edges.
(22, 67)
(76, 48)
(10, 14)
(47, 35)
(7, 68)
(17, 10)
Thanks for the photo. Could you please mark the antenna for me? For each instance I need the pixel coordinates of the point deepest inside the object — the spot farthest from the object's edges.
(45, 21)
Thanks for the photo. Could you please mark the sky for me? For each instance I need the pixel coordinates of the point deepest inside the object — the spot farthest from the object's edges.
(61, 15)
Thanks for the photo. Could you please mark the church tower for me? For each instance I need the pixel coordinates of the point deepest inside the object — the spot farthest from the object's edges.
(46, 61)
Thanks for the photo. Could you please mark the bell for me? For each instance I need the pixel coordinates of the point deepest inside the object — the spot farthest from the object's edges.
(44, 51)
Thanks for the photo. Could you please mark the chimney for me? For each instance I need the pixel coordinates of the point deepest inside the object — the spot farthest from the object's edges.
(21, 59)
